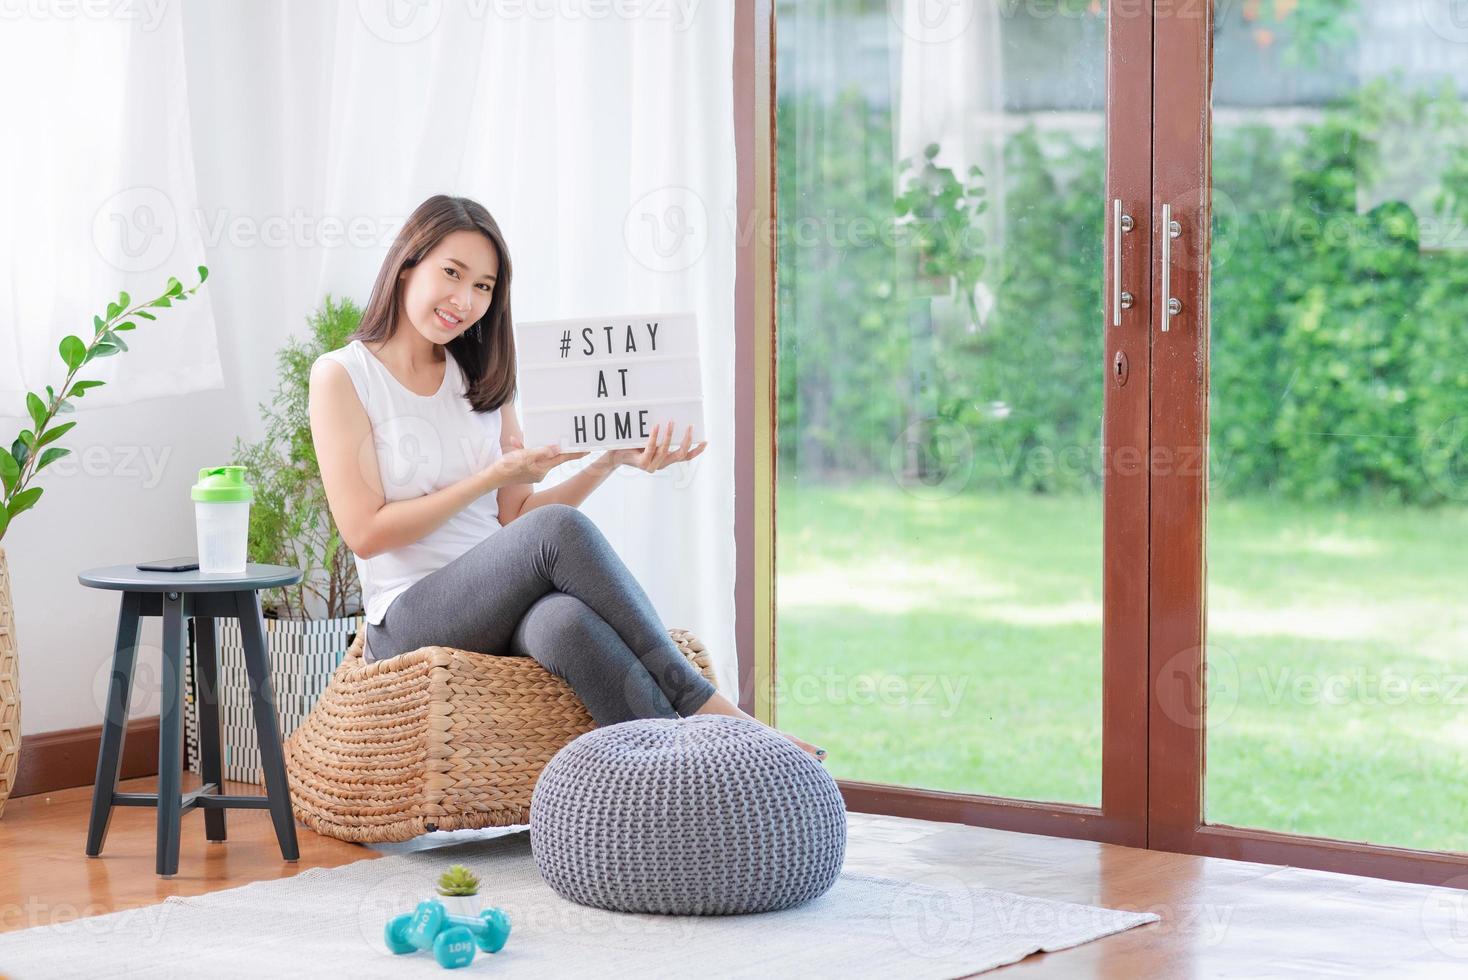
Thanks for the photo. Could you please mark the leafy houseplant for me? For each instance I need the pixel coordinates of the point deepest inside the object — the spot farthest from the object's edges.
(458, 889)
(32, 452)
(941, 215)
(290, 522)
(308, 626)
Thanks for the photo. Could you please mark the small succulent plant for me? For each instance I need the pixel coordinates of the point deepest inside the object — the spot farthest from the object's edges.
(458, 880)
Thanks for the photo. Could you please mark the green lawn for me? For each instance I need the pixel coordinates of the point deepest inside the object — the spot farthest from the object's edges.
(955, 644)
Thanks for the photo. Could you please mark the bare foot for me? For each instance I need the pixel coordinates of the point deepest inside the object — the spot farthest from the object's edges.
(718, 704)
(816, 751)
(806, 747)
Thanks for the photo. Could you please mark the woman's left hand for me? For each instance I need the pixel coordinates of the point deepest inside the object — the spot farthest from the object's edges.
(658, 453)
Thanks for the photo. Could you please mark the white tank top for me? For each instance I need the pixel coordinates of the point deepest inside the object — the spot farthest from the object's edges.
(423, 443)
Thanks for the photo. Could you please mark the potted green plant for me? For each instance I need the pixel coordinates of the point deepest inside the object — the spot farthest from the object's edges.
(938, 218)
(458, 890)
(31, 452)
(308, 626)
(290, 522)
(937, 215)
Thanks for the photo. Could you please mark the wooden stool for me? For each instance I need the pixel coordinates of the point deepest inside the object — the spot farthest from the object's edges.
(175, 595)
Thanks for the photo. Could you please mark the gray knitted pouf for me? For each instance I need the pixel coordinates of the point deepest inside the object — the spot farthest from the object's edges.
(703, 815)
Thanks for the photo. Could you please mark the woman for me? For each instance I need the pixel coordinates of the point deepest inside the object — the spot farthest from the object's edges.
(429, 481)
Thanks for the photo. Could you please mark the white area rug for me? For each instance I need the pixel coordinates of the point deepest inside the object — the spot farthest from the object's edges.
(329, 922)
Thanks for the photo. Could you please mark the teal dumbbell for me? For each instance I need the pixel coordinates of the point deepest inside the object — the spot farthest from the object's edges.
(491, 930)
(454, 947)
(396, 935)
(451, 937)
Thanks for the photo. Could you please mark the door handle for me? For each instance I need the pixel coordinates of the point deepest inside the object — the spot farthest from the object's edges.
(1120, 300)
(1171, 305)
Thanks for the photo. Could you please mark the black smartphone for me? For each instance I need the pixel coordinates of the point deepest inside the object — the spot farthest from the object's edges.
(185, 564)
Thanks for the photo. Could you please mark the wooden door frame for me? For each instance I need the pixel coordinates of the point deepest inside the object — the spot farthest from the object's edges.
(754, 355)
(1182, 178)
(1121, 816)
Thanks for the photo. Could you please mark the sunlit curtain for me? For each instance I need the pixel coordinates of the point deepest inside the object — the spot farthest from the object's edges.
(99, 197)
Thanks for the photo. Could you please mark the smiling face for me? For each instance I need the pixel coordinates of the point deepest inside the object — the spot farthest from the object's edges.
(449, 291)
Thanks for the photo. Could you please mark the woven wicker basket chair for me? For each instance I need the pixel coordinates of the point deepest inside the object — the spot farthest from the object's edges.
(434, 739)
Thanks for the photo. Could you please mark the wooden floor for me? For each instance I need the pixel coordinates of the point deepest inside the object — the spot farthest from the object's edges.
(1219, 918)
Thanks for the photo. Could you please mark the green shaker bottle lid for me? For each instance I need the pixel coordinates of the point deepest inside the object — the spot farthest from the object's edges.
(222, 484)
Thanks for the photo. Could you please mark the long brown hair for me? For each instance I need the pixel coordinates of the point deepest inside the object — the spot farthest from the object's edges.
(485, 351)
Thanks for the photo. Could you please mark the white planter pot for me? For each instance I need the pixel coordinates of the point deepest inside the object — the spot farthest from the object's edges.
(465, 905)
(303, 655)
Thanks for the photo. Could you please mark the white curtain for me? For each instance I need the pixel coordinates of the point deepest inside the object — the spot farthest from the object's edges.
(98, 175)
(599, 135)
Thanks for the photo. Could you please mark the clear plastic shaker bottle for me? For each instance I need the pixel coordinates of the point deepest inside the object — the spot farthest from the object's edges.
(222, 518)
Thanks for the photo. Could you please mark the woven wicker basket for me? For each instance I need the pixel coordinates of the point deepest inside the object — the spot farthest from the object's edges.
(434, 739)
(9, 688)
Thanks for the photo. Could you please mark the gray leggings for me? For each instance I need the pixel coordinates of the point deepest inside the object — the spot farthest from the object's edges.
(549, 585)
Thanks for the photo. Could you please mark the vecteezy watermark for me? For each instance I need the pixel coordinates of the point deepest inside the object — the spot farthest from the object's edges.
(1443, 917)
(139, 927)
(1189, 702)
(148, 14)
(400, 21)
(149, 685)
(936, 458)
(298, 229)
(679, 13)
(932, 459)
(940, 691)
(1206, 924)
(1198, 686)
(410, 21)
(1235, 227)
(647, 689)
(1232, 227)
(609, 929)
(933, 915)
(681, 474)
(406, 452)
(1073, 9)
(1448, 19)
(832, 229)
(1359, 686)
(932, 21)
(667, 229)
(1445, 459)
(135, 229)
(147, 464)
(938, 914)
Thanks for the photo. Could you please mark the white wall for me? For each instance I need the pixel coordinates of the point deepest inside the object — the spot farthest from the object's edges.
(123, 494)
(300, 117)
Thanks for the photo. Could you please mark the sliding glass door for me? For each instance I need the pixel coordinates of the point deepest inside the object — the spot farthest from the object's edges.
(1307, 612)
(1120, 473)
(1339, 508)
(947, 401)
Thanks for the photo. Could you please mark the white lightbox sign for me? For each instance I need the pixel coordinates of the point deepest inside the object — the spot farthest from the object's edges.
(604, 382)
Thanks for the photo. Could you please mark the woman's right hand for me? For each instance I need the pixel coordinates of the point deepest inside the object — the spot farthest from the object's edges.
(521, 465)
